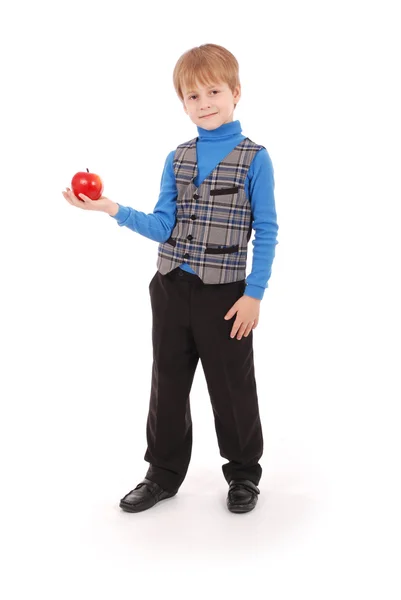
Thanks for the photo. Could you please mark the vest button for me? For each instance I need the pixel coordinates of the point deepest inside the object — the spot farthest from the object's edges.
(186, 255)
(189, 237)
(195, 196)
(193, 217)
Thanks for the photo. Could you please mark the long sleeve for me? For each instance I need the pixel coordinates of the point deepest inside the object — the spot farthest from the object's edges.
(261, 195)
(157, 225)
(259, 187)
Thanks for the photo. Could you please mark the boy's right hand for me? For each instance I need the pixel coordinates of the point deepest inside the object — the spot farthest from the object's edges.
(102, 205)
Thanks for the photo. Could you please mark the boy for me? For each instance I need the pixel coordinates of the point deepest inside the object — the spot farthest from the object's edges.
(215, 188)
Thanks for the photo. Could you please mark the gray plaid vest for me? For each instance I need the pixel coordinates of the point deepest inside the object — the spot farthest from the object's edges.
(214, 220)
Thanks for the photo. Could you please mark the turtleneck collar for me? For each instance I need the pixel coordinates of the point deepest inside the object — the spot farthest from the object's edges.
(225, 130)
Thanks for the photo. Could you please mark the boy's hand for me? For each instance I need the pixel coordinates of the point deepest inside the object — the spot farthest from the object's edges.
(247, 310)
(102, 205)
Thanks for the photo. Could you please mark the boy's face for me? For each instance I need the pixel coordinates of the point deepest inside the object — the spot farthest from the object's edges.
(216, 100)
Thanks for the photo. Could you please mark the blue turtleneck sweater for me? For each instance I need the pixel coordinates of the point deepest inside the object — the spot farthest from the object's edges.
(211, 147)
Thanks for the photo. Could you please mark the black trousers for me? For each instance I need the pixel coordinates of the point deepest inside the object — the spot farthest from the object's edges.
(188, 324)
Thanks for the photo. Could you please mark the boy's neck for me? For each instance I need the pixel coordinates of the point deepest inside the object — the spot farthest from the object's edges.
(225, 130)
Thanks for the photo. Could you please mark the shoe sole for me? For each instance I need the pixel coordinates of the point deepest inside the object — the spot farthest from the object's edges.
(131, 508)
(240, 509)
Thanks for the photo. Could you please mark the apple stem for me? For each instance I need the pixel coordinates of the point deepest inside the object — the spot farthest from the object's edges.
(87, 169)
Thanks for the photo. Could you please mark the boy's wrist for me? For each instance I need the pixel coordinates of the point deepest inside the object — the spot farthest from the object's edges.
(112, 208)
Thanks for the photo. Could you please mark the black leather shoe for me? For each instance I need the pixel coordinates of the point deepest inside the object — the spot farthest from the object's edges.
(145, 495)
(242, 495)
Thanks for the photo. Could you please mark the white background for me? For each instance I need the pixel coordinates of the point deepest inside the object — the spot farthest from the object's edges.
(89, 85)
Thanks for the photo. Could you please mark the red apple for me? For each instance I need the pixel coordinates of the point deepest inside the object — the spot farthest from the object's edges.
(88, 184)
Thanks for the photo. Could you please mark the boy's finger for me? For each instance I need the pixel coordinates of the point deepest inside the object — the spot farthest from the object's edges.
(73, 199)
(86, 198)
(66, 197)
(72, 195)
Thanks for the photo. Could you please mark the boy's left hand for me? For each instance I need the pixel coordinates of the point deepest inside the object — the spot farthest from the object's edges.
(247, 309)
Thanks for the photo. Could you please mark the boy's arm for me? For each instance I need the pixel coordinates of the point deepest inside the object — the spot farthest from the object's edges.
(261, 195)
(157, 225)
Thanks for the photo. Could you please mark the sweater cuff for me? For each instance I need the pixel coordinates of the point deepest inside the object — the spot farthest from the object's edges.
(254, 291)
(122, 214)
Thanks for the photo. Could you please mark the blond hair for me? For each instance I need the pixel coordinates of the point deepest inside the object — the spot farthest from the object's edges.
(208, 63)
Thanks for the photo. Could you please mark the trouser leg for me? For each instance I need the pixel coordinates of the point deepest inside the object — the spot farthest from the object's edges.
(175, 358)
(229, 370)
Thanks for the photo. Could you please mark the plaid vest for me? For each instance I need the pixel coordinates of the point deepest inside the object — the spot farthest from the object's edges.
(214, 221)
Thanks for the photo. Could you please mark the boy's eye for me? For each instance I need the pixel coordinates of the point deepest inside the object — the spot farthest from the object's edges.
(211, 90)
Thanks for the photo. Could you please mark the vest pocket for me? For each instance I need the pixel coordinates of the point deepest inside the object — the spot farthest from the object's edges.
(222, 249)
(223, 191)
